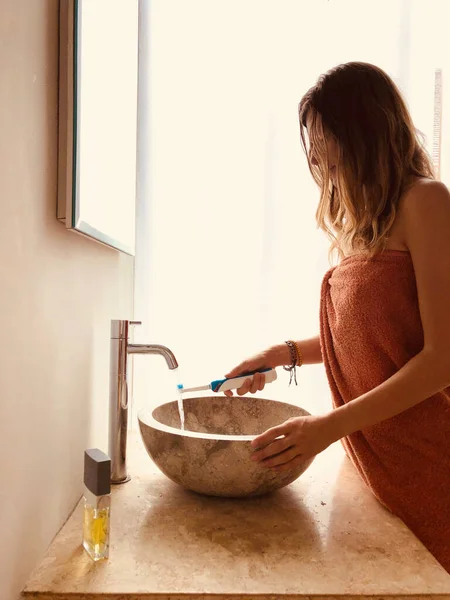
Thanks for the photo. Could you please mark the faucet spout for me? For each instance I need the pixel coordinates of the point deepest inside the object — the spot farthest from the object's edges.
(155, 349)
(120, 348)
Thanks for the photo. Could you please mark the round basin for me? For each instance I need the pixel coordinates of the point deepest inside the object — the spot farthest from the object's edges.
(212, 455)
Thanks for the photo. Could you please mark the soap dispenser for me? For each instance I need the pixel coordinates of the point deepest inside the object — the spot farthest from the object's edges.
(97, 504)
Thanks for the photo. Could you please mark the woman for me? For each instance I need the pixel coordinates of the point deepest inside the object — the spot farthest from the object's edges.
(385, 309)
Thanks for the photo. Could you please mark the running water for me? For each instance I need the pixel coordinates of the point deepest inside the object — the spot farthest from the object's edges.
(180, 398)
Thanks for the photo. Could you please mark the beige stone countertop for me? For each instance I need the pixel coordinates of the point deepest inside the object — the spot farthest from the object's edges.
(322, 536)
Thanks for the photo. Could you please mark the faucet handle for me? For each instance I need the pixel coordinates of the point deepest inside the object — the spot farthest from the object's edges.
(119, 328)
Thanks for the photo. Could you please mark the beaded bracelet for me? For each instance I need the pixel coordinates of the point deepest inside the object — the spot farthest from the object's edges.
(299, 354)
(296, 357)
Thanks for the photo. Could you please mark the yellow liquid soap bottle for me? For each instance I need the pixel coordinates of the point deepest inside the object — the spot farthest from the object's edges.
(97, 504)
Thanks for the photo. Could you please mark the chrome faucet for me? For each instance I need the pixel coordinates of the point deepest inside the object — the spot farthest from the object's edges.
(118, 392)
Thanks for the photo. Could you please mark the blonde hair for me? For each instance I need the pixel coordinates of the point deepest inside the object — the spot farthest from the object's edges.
(379, 154)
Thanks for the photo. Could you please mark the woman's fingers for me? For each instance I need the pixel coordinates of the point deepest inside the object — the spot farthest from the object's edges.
(287, 466)
(255, 363)
(258, 383)
(251, 384)
(273, 449)
(270, 435)
(262, 382)
(243, 367)
(254, 383)
(281, 459)
(245, 388)
(240, 391)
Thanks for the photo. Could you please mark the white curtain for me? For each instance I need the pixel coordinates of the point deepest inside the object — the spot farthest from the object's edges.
(229, 259)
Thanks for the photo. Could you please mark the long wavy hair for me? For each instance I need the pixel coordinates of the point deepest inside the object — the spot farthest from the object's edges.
(380, 153)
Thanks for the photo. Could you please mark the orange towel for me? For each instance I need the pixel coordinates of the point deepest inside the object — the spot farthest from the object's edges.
(371, 327)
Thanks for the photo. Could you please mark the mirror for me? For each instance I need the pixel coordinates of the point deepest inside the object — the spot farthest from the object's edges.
(98, 94)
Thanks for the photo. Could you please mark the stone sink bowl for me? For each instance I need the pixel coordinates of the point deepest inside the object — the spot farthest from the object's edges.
(212, 455)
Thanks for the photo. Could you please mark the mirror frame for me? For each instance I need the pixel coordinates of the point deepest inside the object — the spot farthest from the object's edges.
(68, 130)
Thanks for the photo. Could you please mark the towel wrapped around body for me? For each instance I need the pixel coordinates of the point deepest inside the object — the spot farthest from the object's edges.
(370, 328)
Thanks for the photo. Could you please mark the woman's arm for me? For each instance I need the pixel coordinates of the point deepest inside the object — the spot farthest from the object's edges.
(420, 378)
(275, 356)
(309, 348)
(426, 223)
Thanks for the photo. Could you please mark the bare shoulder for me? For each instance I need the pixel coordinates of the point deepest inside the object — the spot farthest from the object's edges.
(424, 213)
(424, 193)
(425, 201)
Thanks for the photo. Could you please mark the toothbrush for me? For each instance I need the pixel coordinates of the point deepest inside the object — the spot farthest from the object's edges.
(221, 385)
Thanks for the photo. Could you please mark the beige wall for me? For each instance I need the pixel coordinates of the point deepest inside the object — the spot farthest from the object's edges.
(58, 293)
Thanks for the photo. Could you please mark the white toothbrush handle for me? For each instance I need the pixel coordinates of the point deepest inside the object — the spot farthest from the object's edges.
(236, 382)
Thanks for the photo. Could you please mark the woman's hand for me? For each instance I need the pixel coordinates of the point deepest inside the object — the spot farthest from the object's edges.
(301, 438)
(268, 359)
